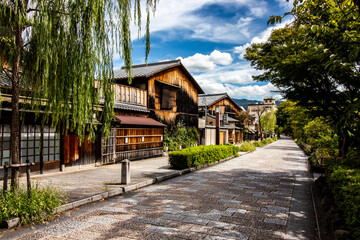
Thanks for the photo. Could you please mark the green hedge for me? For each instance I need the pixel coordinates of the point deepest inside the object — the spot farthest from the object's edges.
(200, 155)
(345, 186)
(247, 147)
(264, 142)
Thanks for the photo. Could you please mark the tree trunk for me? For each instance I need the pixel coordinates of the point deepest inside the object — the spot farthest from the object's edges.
(344, 143)
(15, 118)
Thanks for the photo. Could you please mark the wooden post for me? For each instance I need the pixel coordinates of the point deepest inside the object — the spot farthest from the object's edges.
(42, 150)
(6, 170)
(28, 178)
(217, 125)
(62, 150)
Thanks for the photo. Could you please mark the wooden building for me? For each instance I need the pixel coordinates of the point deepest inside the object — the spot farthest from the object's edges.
(41, 144)
(163, 91)
(257, 109)
(230, 129)
(172, 93)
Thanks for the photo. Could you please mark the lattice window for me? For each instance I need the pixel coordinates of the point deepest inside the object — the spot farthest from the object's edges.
(4, 144)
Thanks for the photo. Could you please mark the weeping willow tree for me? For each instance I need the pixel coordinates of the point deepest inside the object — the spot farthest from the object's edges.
(268, 121)
(55, 49)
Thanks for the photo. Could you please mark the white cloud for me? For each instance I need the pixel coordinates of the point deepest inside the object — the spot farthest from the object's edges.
(221, 58)
(174, 15)
(200, 62)
(251, 92)
(261, 38)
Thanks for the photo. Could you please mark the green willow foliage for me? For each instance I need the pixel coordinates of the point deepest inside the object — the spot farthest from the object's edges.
(61, 47)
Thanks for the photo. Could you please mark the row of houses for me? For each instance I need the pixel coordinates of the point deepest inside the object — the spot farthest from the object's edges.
(160, 95)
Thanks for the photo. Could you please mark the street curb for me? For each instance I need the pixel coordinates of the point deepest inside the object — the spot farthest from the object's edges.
(133, 187)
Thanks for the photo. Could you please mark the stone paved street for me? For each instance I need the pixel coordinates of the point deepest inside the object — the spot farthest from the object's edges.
(262, 195)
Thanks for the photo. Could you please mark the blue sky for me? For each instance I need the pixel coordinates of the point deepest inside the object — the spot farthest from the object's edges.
(210, 37)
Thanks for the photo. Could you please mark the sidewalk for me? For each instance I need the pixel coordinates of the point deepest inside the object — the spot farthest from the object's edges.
(261, 195)
(80, 182)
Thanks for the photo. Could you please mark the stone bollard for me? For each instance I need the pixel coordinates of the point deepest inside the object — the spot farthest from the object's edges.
(125, 171)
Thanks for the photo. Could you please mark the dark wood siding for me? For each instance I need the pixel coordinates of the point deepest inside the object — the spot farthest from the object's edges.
(132, 143)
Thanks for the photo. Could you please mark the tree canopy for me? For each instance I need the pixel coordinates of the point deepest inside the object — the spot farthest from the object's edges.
(315, 62)
(61, 46)
(54, 50)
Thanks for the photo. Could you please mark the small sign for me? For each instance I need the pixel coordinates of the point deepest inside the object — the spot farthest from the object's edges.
(225, 118)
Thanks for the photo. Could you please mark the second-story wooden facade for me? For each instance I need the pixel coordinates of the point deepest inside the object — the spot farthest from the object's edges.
(172, 93)
(230, 129)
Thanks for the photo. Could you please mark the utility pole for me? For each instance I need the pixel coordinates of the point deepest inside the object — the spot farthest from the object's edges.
(217, 125)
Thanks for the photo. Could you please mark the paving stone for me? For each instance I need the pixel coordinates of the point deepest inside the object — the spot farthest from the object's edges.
(228, 194)
(173, 211)
(64, 227)
(223, 200)
(161, 230)
(131, 201)
(210, 216)
(235, 210)
(103, 220)
(175, 217)
(195, 220)
(190, 190)
(235, 234)
(277, 221)
(206, 230)
(222, 225)
(190, 213)
(260, 195)
(211, 237)
(113, 209)
(152, 221)
(173, 206)
(141, 207)
(32, 236)
(275, 209)
(169, 198)
(82, 234)
(222, 213)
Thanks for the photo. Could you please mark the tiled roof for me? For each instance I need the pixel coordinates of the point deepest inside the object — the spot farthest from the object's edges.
(130, 107)
(210, 99)
(146, 70)
(150, 69)
(141, 121)
(5, 80)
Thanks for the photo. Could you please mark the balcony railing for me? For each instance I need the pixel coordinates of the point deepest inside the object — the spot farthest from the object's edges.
(130, 95)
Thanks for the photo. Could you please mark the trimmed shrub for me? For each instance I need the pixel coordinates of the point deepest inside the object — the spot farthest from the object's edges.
(247, 147)
(200, 155)
(345, 186)
(40, 207)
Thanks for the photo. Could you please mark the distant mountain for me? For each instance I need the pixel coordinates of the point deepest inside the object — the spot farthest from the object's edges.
(244, 102)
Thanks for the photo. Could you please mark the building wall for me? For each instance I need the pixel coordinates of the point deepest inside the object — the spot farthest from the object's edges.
(210, 136)
(185, 100)
(225, 102)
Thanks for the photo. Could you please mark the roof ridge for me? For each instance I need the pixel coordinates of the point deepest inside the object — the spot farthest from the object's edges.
(211, 94)
(154, 64)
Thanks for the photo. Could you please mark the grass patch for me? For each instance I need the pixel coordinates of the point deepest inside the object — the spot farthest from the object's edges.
(36, 209)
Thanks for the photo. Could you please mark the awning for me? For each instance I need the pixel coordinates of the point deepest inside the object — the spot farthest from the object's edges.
(140, 121)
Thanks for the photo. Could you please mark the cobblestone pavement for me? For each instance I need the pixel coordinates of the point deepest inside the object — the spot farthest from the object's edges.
(262, 195)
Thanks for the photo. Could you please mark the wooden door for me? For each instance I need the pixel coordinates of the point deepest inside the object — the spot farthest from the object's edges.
(71, 148)
(221, 137)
